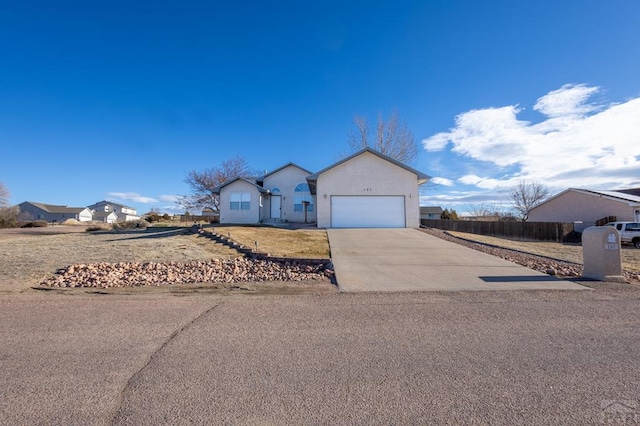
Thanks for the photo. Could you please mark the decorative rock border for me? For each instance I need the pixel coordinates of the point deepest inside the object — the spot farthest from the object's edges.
(134, 274)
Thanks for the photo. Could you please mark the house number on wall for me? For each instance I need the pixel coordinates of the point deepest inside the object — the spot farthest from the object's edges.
(368, 189)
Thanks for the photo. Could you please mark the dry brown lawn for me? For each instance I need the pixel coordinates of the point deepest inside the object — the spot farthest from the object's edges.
(300, 243)
(28, 256)
(569, 252)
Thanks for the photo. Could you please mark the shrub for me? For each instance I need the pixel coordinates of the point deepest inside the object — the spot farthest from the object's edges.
(9, 217)
(35, 224)
(153, 217)
(131, 224)
(98, 227)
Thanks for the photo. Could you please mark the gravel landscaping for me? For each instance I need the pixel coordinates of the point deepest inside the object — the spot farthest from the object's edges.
(104, 275)
(547, 265)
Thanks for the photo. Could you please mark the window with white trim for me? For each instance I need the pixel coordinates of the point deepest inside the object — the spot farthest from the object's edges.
(240, 201)
(302, 193)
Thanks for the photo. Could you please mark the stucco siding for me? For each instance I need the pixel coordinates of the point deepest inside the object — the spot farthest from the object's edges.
(367, 174)
(251, 215)
(286, 181)
(575, 206)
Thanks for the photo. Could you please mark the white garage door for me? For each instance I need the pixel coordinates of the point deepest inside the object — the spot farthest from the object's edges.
(367, 211)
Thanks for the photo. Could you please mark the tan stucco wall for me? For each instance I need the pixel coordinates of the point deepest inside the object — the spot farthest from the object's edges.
(367, 174)
(573, 206)
(286, 180)
(239, 216)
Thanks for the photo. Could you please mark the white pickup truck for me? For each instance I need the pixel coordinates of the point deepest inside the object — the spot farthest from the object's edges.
(629, 232)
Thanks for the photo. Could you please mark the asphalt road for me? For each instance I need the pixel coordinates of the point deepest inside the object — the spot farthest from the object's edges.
(508, 357)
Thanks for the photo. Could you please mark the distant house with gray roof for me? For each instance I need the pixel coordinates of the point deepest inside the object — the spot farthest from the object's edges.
(53, 213)
(430, 212)
(123, 213)
(586, 206)
(106, 217)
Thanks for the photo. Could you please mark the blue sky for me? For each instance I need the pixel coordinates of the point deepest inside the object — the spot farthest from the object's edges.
(119, 100)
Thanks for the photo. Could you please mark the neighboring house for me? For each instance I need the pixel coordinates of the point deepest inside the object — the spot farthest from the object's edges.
(430, 212)
(124, 213)
(366, 189)
(106, 217)
(54, 213)
(587, 206)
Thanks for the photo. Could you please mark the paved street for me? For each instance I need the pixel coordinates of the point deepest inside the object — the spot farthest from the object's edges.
(504, 357)
(409, 260)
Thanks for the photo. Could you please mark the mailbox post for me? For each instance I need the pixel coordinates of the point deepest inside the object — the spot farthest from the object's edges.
(305, 206)
(601, 254)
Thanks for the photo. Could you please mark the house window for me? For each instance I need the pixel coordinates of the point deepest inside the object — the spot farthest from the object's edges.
(275, 190)
(240, 201)
(297, 203)
(302, 187)
(302, 194)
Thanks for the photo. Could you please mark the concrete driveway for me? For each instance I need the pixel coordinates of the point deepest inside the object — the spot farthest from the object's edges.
(410, 260)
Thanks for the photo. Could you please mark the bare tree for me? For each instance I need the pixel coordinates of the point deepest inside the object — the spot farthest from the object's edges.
(526, 195)
(4, 196)
(202, 183)
(391, 138)
(490, 212)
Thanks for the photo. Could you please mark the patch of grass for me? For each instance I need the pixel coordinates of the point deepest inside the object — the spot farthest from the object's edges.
(301, 243)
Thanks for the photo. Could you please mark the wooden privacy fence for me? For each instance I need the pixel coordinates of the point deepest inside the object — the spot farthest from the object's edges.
(197, 218)
(535, 231)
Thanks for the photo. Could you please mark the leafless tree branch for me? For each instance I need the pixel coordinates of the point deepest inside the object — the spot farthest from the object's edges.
(4, 196)
(392, 138)
(202, 183)
(527, 195)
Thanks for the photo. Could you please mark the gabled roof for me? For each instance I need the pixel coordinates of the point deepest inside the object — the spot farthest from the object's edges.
(430, 210)
(217, 189)
(52, 208)
(422, 177)
(630, 191)
(262, 178)
(615, 194)
(612, 195)
(111, 203)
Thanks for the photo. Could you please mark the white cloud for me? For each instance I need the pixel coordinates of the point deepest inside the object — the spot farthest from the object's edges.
(484, 183)
(578, 145)
(442, 181)
(570, 99)
(132, 196)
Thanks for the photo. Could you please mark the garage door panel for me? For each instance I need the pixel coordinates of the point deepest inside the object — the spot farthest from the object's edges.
(367, 211)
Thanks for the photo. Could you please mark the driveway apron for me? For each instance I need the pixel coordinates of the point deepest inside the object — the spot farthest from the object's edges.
(410, 260)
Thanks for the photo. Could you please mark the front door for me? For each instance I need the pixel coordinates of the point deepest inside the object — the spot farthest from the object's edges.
(276, 202)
